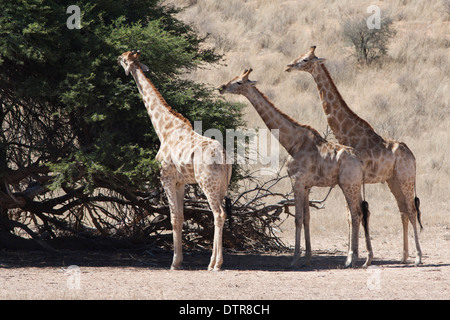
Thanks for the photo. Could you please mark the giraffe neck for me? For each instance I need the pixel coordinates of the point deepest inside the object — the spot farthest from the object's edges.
(165, 120)
(292, 135)
(347, 127)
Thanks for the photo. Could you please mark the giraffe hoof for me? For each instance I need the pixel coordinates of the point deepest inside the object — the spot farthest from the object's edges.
(350, 264)
(175, 267)
(405, 256)
(352, 258)
(295, 262)
(215, 269)
(418, 261)
(367, 263)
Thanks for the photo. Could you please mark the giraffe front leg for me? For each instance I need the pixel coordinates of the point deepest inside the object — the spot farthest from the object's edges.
(177, 228)
(177, 220)
(175, 194)
(299, 196)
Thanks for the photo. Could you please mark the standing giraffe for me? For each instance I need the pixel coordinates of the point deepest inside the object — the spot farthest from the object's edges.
(314, 162)
(186, 157)
(384, 159)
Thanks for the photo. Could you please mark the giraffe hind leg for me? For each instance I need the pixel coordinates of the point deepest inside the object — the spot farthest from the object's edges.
(358, 213)
(394, 186)
(216, 260)
(408, 206)
(299, 197)
(413, 215)
(215, 196)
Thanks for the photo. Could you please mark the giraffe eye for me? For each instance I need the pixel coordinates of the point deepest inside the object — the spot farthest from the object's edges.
(239, 82)
(305, 60)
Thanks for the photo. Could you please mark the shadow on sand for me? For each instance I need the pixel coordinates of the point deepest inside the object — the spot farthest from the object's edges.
(160, 259)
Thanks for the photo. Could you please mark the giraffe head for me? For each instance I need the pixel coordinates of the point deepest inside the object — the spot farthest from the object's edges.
(130, 60)
(237, 84)
(306, 62)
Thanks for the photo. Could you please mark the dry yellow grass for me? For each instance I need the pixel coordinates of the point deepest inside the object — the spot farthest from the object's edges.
(406, 97)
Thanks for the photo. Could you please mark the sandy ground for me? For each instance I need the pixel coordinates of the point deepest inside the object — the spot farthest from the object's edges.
(146, 275)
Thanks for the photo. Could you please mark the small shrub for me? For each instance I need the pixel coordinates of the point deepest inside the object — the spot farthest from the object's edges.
(369, 44)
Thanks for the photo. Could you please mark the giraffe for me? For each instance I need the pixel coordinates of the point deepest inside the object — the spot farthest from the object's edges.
(186, 157)
(313, 162)
(384, 159)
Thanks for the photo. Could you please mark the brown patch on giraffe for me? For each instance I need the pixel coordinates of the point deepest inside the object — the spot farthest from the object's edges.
(346, 124)
(325, 104)
(330, 96)
(164, 148)
(321, 78)
(168, 125)
(334, 124)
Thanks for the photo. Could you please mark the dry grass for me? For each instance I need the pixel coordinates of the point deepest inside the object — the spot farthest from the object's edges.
(405, 97)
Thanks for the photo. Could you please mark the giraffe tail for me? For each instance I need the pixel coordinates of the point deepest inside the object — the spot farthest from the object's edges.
(417, 204)
(365, 208)
(366, 213)
(229, 211)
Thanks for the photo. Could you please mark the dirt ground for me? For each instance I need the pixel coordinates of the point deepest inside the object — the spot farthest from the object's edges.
(138, 274)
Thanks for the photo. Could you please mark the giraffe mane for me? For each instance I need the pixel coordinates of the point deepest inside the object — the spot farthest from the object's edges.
(309, 128)
(165, 104)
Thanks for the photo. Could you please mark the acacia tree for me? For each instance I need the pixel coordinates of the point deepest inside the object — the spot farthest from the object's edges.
(76, 143)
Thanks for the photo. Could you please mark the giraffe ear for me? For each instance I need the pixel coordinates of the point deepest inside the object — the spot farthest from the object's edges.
(321, 60)
(144, 67)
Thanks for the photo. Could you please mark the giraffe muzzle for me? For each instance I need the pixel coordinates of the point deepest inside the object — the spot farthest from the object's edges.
(288, 67)
(221, 89)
